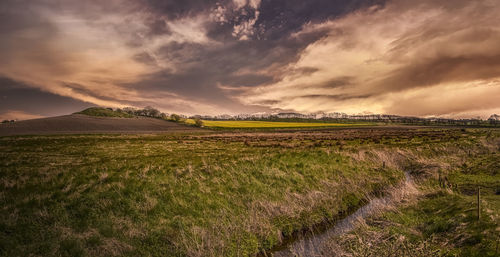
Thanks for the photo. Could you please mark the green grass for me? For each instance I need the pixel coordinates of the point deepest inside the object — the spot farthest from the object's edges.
(103, 112)
(439, 224)
(273, 124)
(157, 196)
(443, 221)
(189, 195)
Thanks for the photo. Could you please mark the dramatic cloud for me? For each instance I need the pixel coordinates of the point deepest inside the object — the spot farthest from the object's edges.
(91, 55)
(407, 57)
(233, 56)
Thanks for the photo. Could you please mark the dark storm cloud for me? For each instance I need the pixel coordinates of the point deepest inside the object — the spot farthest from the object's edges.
(279, 18)
(174, 9)
(238, 63)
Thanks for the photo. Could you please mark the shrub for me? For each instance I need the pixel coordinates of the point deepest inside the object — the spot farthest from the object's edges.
(175, 117)
(198, 122)
(151, 112)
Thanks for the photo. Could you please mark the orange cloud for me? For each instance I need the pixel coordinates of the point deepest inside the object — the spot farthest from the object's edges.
(408, 57)
(95, 60)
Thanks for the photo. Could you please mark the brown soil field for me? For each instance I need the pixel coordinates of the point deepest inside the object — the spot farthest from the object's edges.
(83, 124)
(375, 134)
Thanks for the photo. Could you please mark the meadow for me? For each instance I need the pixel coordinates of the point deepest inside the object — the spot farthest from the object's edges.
(441, 220)
(229, 194)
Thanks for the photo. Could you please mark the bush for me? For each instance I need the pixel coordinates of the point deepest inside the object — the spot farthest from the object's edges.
(175, 117)
(198, 122)
(151, 112)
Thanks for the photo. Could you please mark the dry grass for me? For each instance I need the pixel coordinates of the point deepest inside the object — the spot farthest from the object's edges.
(227, 194)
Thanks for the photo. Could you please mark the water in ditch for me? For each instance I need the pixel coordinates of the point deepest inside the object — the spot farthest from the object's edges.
(312, 244)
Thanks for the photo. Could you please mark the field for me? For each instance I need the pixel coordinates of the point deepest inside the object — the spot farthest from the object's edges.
(96, 123)
(273, 124)
(245, 193)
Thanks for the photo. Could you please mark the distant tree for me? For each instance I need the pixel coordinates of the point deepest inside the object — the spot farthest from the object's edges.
(5, 121)
(175, 117)
(140, 112)
(151, 112)
(164, 116)
(494, 119)
(129, 110)
(198, 122)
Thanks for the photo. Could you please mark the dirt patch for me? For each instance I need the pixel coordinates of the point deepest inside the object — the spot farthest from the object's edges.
(366, 135)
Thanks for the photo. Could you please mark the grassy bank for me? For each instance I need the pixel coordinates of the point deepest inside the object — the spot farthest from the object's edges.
(189, 195)
(443, 219)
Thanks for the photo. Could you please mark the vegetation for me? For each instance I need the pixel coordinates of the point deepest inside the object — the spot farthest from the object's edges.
(198, 122)
(104, 112)
(270, 124)
(443, 219)
(217, 195)
(139, 195)
(147, 111)
(441, 223)
(175, 117)
(127, 112)
(275, 121)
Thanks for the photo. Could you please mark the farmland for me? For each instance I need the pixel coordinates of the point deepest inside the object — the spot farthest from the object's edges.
(218, 194)
(273, 124)
(85, 124)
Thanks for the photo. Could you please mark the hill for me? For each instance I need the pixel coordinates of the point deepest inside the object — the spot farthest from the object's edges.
(91, 124)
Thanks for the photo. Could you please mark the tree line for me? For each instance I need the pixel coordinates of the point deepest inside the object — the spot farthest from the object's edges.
(152, 112)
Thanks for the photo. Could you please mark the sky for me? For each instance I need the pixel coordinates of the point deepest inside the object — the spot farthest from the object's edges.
(417, 58)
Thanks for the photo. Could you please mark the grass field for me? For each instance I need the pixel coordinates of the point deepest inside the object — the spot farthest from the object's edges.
(442, 220)
(228, 194)
(272, 124)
